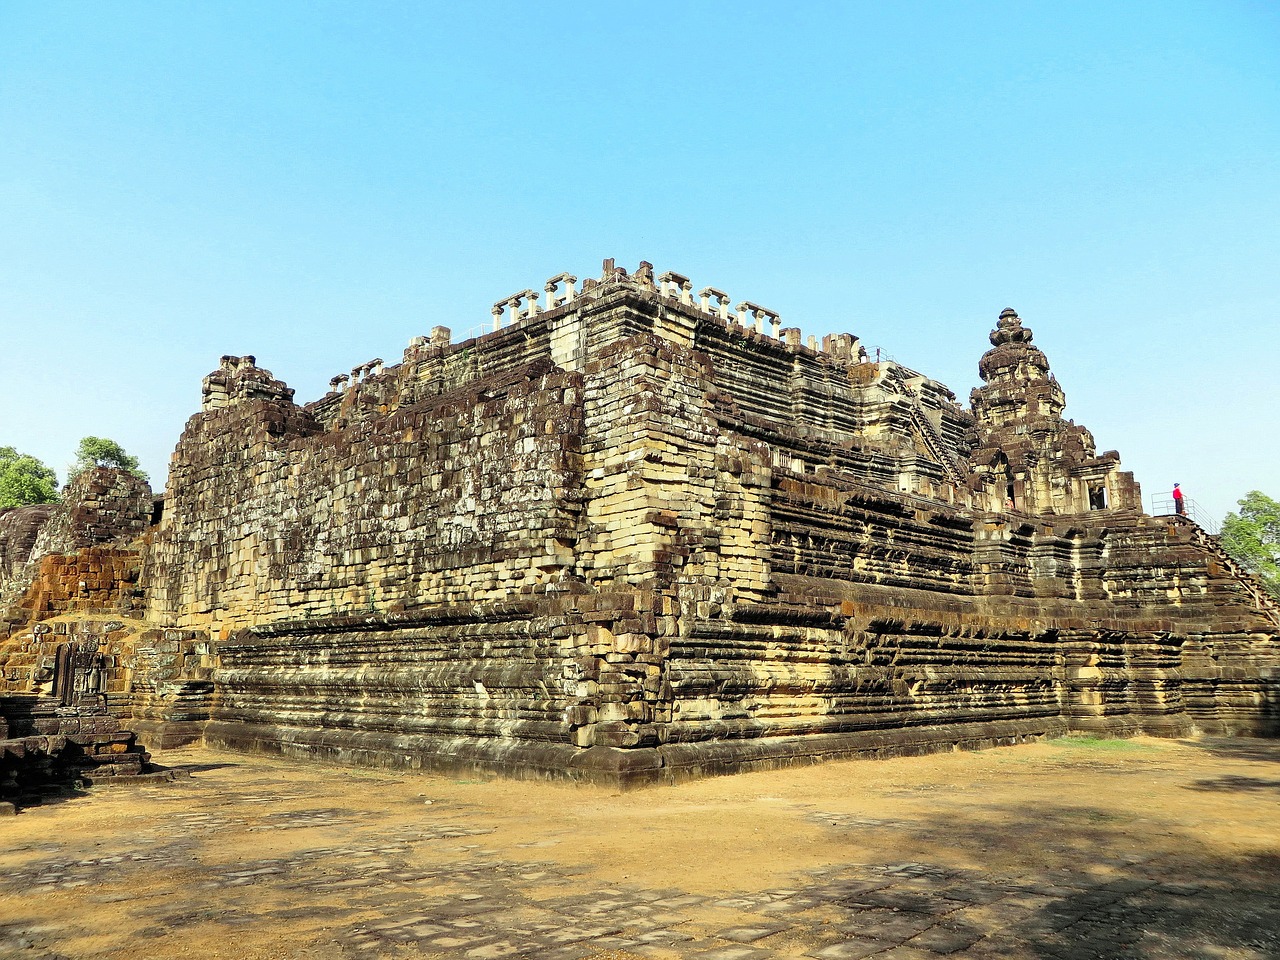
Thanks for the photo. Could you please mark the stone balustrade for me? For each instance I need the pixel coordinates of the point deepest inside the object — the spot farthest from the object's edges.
(557, 297)
(517, 307)
(722, 301)
(676, 286)
(563, 289)
(364, 371)
(510, 307)
(759, 315)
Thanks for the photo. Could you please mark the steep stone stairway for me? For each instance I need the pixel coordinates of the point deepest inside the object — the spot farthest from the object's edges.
(933, 443)
(1261, 598)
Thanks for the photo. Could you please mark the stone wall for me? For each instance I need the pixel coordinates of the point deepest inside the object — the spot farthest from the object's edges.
(98, 505)
(91, 579)
(77, 555)
(459, 497)
(19, 529)
(636, 535)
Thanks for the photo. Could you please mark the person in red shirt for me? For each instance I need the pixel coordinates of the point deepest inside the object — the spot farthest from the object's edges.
(1178, 508)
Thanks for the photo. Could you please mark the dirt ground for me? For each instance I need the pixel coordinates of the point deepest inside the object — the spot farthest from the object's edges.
(1071, 848)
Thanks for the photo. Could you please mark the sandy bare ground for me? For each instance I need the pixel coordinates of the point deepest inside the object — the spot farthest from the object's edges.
(1072, 849)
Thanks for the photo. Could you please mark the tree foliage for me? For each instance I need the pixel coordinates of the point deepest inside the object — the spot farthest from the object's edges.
(1252, 537)
(24, 480)
(101, 452)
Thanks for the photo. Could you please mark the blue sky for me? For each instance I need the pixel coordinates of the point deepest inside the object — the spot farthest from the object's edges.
(316, 183)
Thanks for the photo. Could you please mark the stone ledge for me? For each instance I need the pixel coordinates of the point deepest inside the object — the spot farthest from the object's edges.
(688, 761)
(518, 759)
(609, 766)
(435, 616)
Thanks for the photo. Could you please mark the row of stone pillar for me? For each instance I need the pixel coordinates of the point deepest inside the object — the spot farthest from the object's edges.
(362, 372)
(519, 306)
(561, 289)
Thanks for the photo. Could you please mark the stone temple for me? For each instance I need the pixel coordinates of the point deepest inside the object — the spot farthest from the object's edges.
(631, 535)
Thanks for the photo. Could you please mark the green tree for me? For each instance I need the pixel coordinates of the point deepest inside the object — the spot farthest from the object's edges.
(24, 480)
(101, 452)
(1252, 537)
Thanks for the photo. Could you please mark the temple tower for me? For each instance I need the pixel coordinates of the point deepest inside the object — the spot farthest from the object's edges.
(1025, 450)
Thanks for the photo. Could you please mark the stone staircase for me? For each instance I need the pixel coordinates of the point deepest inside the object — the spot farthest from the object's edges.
(1261, 598)
(933, 443)
(47, 743)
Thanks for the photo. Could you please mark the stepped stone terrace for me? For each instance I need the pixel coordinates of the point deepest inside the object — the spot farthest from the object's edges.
(633, 534)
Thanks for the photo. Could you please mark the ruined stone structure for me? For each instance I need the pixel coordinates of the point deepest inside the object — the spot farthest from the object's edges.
(61, 569)
(634, 535)
(63, 740)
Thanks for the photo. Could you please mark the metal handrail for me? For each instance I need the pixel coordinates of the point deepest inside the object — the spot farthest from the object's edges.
(1163, 506)
(1263, 601)
(935, 444)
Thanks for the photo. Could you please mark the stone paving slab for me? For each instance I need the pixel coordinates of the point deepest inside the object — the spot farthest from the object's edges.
(274, 868)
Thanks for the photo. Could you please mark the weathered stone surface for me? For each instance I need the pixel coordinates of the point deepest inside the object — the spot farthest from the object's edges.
(48, 741)
(19, 529)
(1037, 461)
(75, 555)
(634, 537)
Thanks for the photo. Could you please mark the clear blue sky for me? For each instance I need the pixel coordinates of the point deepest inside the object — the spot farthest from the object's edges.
(316, 183)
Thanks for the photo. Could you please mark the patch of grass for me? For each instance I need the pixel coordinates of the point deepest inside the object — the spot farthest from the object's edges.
(1099, 743)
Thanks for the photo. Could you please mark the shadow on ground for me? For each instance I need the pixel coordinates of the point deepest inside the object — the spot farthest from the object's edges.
(1107, 888)
(1232, 784)
(1037, 860)
(1258, 749)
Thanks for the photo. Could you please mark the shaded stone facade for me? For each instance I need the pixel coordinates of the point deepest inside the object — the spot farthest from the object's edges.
(633, 535)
